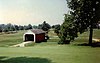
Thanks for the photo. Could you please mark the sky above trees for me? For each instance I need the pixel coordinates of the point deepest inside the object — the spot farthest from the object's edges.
(23, 12)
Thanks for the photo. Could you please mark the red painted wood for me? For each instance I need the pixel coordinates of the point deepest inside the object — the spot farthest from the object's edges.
(40, 37)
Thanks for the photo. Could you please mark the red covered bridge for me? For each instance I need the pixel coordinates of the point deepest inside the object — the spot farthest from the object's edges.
(36, 35)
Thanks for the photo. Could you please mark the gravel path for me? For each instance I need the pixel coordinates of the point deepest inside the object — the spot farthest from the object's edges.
(21, 44)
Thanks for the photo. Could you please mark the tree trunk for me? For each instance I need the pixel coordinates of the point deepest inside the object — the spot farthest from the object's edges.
(91, 34)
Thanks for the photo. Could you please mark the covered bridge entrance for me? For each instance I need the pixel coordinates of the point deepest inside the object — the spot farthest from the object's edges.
(29, 37)
(36, 35)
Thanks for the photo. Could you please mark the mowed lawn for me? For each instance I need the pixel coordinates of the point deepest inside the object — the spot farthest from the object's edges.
(50, 52)
(7, 40)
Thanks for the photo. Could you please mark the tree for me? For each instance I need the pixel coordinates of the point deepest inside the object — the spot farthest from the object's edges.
(67, 31)
(26, 27)
(5, 28)
(29, 26)
(35, 27)
(0, 28)
(21, 27)
(39, 26)
(44, 26)
(10, 27)
(86, 13)
(56, 28)
(16, 27)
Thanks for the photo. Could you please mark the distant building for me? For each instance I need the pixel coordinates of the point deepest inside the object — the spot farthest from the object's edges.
(36, 35)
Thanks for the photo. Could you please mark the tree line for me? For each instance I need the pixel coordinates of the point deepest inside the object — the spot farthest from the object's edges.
(10, 27)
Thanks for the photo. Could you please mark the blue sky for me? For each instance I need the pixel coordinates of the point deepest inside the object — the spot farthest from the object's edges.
(23, 12)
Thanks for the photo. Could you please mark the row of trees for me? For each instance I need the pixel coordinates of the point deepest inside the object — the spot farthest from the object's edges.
(84, 14)
(10, 27)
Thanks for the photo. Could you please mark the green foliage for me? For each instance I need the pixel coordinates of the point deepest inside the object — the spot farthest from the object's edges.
(44, 26)
(25, 27)
(8, 27)
(16, 27)
(29, 26)
(68, 31)
(35, 27)
(86, 14)
(21, 27)
(56, 28)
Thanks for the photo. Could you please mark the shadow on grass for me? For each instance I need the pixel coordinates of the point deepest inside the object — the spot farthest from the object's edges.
(83, 44)
(24, 60)
(96, 44)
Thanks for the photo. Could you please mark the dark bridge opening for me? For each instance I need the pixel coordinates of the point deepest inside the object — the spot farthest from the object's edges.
(29, 37)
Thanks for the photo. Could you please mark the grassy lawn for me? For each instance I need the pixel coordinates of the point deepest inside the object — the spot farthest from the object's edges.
(11, 39)
(83, 38)
(49, 52)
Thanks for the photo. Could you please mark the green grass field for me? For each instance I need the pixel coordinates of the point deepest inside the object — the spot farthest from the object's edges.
(48, 52)
(7, 40)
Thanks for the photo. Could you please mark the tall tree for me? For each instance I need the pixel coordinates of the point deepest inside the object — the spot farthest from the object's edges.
(44, 26)
(67, 31)
(86, 13)
(29, 26)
